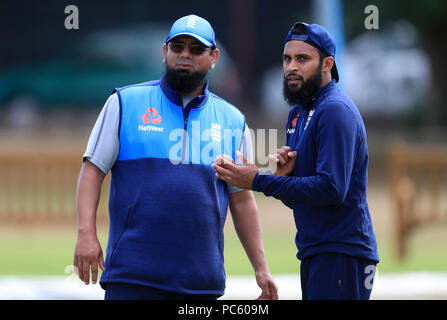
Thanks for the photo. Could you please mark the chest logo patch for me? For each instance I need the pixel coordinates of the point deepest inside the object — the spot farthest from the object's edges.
(151, 116)
(215, 132)
(293, 122)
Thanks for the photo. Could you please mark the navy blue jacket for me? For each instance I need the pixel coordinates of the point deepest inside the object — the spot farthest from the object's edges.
(327, 190)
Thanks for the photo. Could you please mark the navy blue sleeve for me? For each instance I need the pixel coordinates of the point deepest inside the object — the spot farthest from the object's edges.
(288, 203)
(335, 144)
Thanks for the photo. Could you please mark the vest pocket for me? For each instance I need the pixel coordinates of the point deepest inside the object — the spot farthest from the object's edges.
(119, 237)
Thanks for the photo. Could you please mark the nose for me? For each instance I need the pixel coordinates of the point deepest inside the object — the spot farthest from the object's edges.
(185, 52)
(291, 67)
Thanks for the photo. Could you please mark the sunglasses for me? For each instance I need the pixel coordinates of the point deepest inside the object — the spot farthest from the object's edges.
(195, 49)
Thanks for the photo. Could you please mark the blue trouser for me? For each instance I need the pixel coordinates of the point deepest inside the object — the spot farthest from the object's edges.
(126, 291)
(334, 276)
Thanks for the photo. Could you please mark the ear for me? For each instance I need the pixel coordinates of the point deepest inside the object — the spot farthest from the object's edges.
(165, 53)
(214, 57)
(328, 63)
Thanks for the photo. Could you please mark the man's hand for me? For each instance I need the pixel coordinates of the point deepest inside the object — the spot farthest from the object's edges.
(244, 212)
(88, 252)
(283, 162)
(267, 285)
(88, 255)
(239, 176)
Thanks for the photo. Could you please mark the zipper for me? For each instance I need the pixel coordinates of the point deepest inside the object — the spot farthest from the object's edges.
(185, 130)
(302, 120)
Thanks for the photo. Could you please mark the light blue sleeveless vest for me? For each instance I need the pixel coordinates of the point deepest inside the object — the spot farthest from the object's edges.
(167, 208)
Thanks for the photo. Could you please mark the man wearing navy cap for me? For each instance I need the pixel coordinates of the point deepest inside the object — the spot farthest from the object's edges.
(321, 173)
(167, 208)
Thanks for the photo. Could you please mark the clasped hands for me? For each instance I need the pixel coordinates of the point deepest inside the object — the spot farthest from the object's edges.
(281, 164)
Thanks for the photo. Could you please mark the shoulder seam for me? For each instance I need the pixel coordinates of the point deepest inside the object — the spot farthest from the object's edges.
(346, 106)
(143, 84)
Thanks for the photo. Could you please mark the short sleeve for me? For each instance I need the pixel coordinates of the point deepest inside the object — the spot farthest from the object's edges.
(103, 145)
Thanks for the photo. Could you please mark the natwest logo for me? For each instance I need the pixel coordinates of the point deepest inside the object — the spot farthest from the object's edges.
(295, 120)
(151, 116)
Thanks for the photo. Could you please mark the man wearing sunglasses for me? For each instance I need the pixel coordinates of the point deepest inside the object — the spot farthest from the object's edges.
(167, 209)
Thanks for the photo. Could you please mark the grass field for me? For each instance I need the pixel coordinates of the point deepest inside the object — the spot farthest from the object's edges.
(48, 250)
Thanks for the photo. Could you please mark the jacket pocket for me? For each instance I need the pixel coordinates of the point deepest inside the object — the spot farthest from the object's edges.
(119, 237)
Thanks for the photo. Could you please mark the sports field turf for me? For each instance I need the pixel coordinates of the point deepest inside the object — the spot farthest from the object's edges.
(48, 250)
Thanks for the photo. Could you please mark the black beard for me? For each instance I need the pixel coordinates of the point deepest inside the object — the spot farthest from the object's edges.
(184, 81)
(308, 88)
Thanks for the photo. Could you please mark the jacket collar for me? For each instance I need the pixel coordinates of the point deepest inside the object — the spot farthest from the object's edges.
(320, 92)
(176, 98)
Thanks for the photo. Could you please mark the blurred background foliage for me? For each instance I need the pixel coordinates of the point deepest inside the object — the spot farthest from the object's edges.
(396, 74)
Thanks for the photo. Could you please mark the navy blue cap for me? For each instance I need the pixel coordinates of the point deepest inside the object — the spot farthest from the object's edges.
(318, 37)
(193, 26)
